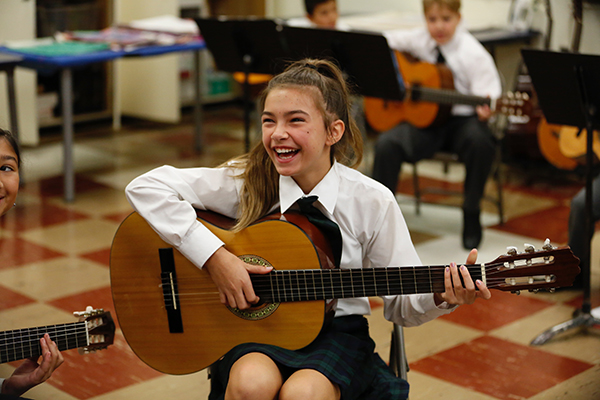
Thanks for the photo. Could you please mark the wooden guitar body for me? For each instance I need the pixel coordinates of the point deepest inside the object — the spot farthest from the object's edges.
(171, 315)
(210, 329)
(548, 136)
(383, 115)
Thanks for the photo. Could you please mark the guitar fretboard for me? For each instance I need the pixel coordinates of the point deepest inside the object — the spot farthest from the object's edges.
(447, 96)
(316, 284)
(25, 343)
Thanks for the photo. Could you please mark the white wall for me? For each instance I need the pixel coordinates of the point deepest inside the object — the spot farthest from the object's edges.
(476, 13)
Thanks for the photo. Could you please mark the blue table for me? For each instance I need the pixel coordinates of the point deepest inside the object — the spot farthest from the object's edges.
(65, 63)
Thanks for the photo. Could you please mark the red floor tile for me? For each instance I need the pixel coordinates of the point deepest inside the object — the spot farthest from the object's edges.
(549, 223)
(104, 371)
(52, 187)
(31, 216)
(10, 299)
(405, 186)
(119, 217)
(499, 368)
(503, 308)
(99, 298)
(548, 189)
(18, 252)
(100, 256)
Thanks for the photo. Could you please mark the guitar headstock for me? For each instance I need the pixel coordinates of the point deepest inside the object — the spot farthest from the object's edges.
(515, 104)
(100, 327)
(549, 268)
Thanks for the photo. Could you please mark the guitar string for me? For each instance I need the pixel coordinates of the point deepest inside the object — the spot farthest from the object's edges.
(422, 274)
(33, 333)
(418, 272)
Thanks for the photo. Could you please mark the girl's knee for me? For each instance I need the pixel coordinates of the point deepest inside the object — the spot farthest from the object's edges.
(309, 384)
(253, 376)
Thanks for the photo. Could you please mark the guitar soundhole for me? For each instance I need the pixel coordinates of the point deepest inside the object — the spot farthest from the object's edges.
(260, 310)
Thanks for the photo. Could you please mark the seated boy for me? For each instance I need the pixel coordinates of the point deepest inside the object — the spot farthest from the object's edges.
(466, 132)
(319, 14)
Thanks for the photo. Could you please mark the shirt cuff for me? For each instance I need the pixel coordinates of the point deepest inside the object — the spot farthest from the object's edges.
(200, 245)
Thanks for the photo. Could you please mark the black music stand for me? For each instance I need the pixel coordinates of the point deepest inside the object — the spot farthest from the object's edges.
(266, 46)
(569, 94)
(365, 57)
(245, 45)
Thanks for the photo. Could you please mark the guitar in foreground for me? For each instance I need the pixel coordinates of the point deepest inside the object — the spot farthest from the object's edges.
(170, 313)
(429, 96)
(94, 331)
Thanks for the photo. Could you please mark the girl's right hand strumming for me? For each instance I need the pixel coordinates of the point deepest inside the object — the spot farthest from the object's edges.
(231, 275)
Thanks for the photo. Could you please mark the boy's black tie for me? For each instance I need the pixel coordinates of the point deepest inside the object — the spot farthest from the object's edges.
(329, 228)
(440, 57)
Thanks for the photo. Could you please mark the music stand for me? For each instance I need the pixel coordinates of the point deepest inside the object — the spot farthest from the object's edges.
(265, 46)
(365, 57)
(569, 94)
(244, 45)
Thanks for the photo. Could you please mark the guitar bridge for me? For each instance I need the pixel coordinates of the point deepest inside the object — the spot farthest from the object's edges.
(170, 291)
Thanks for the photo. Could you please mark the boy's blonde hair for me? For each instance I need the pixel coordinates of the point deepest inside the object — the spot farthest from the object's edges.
(452, 5)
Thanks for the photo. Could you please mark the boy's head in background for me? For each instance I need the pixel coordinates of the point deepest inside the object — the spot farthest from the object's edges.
(322, 13)
(442, 18)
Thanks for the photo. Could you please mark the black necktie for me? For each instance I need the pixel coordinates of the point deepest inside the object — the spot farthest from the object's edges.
(329, 228)
(440, 57)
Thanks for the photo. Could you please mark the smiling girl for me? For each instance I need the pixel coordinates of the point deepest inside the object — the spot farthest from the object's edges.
(309, 144)
(30, 373)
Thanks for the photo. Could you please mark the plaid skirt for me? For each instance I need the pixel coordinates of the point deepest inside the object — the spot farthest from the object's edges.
(344, 353)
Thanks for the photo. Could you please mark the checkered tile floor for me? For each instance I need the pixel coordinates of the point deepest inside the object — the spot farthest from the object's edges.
(56, 261)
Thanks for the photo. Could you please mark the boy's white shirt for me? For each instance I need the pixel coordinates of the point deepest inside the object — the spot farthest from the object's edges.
(473, 68)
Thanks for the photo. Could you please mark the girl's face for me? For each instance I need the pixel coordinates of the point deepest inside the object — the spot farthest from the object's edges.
(9, 176)
(441, 23)
(294, 135)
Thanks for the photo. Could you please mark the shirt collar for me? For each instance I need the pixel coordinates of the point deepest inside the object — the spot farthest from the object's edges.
(327, 190)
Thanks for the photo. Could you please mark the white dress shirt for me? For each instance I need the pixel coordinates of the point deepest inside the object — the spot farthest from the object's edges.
(373, 229)
(472, 66)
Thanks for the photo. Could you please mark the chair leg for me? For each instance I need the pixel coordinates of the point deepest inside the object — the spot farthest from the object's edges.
(417, 190)
(398, 361)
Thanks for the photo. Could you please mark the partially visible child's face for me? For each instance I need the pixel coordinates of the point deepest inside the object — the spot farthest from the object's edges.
(294, 135)
(441, 23)
(325, 15)
(9, 176)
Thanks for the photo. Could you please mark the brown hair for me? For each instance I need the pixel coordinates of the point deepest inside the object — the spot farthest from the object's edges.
(452, 5)
(326, 83)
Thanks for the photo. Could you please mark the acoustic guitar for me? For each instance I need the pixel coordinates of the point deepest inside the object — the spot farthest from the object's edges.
(171, 315)
(565, 146)
(95, 331)
(429, 98)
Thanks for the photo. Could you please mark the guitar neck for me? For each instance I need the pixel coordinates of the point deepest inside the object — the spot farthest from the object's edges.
(447, 96)
(25, 343)
(322, 284)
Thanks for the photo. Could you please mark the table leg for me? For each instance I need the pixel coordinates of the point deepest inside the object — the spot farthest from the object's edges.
(12, 102)
(198, 139)
(67, 122)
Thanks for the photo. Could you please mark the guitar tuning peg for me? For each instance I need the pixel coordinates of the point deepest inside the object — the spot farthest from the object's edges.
(529, 248)
(517, 292)
(511, 250)
(552, 290)
(525, 96)
(547, 245)
(509, 94)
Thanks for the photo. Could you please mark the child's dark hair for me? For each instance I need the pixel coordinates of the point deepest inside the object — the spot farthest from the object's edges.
(311, 4)
(12, 140)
